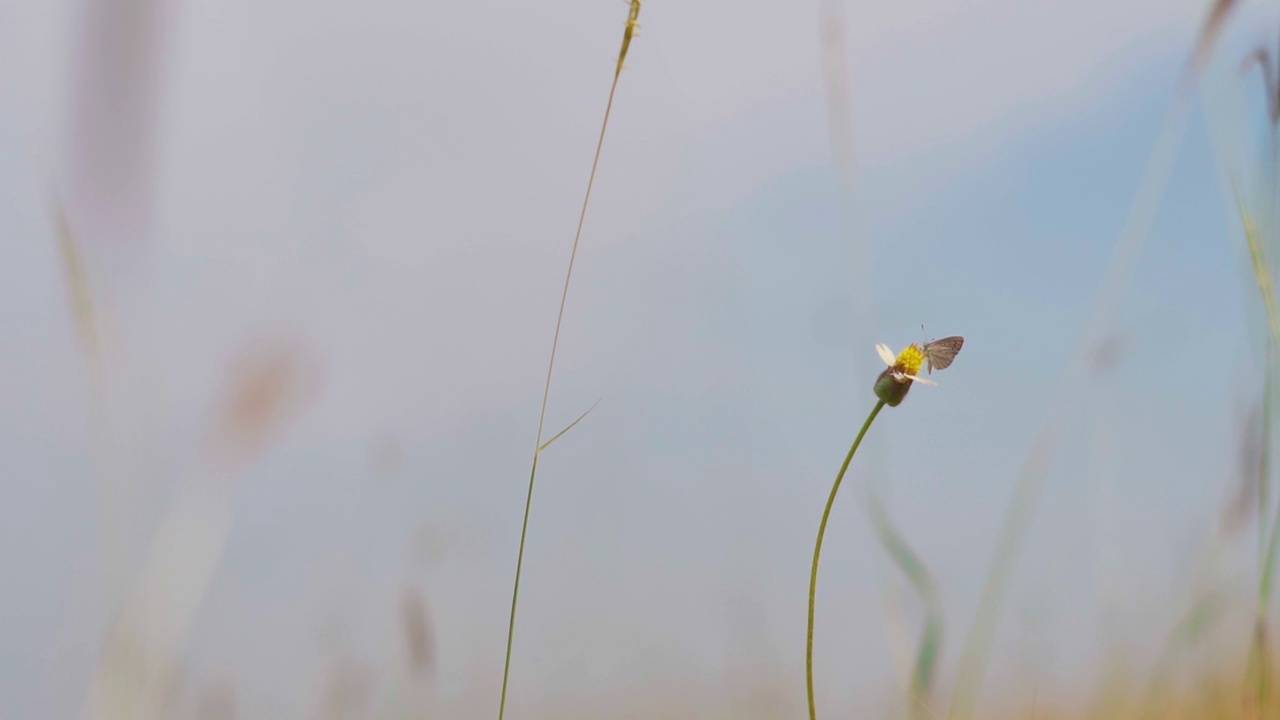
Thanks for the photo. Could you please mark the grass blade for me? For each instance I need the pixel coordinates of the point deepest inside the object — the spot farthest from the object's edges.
(922, 581)
(568, 427)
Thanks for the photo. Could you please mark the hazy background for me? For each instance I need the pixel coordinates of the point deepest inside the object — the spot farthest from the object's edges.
(389, 189)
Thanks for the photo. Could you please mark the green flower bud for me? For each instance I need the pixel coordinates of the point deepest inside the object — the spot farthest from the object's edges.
(890, 389)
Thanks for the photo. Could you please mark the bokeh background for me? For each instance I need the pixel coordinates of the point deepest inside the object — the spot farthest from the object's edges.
(379, 198)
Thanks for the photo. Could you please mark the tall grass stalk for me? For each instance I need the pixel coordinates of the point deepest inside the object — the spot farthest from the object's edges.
(839, 97)
(1264, 465)
(91, 316)
(817, 552)
(84, 314)
(629, 31)
(143, 649)
(1257, 668)
(1260, 650)
(1257, 673)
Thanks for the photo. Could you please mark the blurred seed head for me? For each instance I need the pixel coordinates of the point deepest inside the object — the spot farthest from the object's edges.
(265, 389)
(418, 634)
(73, 267)
(349, 692)
(1107, 354)
(386, 455)
(218, 703)
(1271, 91)
(115, 109)
(1239, 511)
(1210, 31)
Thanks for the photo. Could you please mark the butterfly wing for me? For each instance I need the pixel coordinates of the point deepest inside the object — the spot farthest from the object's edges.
(942, 351)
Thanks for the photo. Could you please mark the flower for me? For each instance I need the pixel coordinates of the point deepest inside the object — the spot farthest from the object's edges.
(906, 366)
(894, 382)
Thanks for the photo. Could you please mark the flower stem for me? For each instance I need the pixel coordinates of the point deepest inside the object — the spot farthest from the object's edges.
(817, 552)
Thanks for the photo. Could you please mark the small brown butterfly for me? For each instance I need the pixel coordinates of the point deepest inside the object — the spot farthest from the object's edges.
(939, 353)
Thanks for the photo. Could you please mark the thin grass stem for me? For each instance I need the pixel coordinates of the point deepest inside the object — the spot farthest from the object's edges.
(542, 413)
(538, 445)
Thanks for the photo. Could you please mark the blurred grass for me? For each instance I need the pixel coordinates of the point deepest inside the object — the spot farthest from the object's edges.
(1261, 243)
(1030, 484)
(922, 676)
(1259, 669)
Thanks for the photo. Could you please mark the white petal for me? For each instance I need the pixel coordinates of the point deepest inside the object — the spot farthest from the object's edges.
(919, 379)
(886, 354)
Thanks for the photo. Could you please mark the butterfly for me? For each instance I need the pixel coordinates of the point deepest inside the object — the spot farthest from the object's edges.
(939, 353)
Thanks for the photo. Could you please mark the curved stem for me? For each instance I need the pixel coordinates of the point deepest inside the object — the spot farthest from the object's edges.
(817, 552)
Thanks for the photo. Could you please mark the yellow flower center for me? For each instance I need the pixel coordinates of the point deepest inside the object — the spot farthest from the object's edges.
(910, 360)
